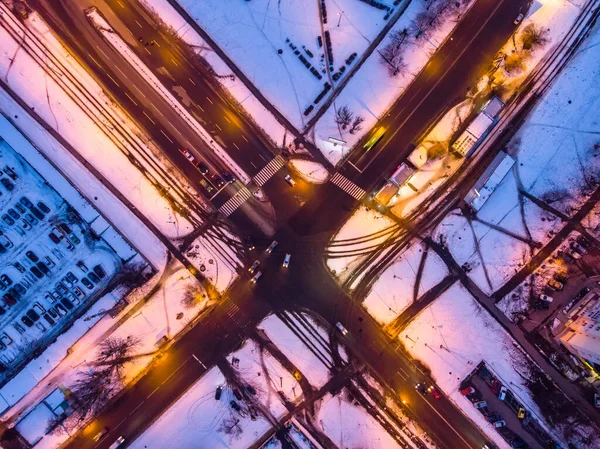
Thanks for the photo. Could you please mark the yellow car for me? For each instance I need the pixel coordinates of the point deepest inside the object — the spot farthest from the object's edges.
(376, 137)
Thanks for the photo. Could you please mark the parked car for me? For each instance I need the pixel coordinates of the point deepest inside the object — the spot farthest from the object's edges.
(55, 239)
(93, 277)
(26, 321)
(286, 260)
(36, 272)
(9, 299)
(31, 219)
(256, 277)
(32, 256)
(25, 202)
(7, 184)
(73, 238)
(254, 266)
(99, 271)
(13, 213)
(68, 304)
(20, 208)
(42, 267)
(82, 266)
(6, 279)
(234, 405)
(87, 283)
(555, 285)
(78, 292)
(38, 308)
(218, 392)
(49, 262)
(71, 277)
(61, 289)
(25, 224)
(5, 241)
(502, 394)
(5, 338)
(546, 298)
(6, 219)
(500, 423)
(518, 19)
(272, 246)
(11, 173)
(60, 309)
(38, 214)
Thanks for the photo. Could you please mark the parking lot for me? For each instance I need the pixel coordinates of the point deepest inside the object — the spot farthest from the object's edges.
(52, 264)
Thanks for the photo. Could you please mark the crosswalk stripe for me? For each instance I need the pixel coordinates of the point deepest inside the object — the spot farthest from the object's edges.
(240, 197)
(348, 186)
(268, 170)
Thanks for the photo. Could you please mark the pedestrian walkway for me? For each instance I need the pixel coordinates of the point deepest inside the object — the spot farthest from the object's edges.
(268, 171)
(232, 204)
(348, 186)
(234, 313)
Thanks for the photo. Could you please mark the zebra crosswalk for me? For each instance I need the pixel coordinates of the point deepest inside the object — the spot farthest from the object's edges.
(231, 205)
(348, 186)
(268, 170)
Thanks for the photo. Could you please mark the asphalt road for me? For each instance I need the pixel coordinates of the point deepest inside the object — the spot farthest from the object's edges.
(303, 229)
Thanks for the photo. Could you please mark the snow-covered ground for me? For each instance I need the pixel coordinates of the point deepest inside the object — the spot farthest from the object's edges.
(261, 34)
(310, 171)
(198, 420)
(297, 351)
(451, 336)
(394, 291)
(372, 91)
(362, 233)
(349, 425)
(556, 161)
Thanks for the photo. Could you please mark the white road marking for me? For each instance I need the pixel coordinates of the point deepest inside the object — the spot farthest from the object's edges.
(92, 58)
(132, 100)
(218, 127)
(156, 109)
(211, 102)
(192, 81)
(101, 51)
(157, 44)
(163, 133)
(174, 62)
(228, 121)
(236, 146)
(148, 51)
(149, 118)
(112, 79)
(117, 67)
(199, 361)
(139, 24)
(121, 4)
(244, 137)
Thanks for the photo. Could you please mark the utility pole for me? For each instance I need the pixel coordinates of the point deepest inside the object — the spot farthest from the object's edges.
(340, 14)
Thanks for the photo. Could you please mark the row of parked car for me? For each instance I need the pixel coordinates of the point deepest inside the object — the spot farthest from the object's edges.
(66, 296)
(25, 215)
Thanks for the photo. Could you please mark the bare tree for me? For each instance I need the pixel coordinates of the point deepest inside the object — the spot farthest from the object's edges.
(356, 124)
(423, 23)
(514, 63)
(343, 117)
(231, 426)
(392, 56)
(192, 297)
(91, 391)
(113, 352)
(533, 36)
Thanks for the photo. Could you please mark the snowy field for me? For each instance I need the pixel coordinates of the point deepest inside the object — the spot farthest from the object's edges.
(198, 420)
(295, 350)
(394, 291)
(560, 132)
(372, 91)
(278, 35)
(467, 335)
(362, 233)
(310, 171)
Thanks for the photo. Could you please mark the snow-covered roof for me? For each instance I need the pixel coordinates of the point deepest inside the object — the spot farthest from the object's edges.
(35, 424)
(493, 107)
(491, 178)
(479, 125)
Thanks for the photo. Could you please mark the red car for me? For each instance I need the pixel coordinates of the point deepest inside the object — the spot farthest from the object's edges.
(434, 392)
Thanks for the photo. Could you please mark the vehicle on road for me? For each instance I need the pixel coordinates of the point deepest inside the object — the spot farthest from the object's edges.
(207, 186)
(286, 260)
(597, 400)
(256, 277)
(189, 156)
(421, 388)
(101, 434)
(341, 328)
(117, 442)
(250, 244)
(502, 394)
(555, 285)
(480, 404)
(228, 176)
(254, 267)
(290, 180)
(519, 19)
(434, 392)
(546, 298)
(467, 391)
(500, 423)
(272, 246)
(202, 168)
(217, 180)
(375, 138)
(218, 393)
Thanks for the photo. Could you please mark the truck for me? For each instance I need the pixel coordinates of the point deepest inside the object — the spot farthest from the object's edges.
(388, 188)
